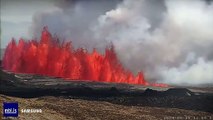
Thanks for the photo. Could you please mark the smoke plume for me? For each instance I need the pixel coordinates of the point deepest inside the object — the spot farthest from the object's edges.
(170, 41)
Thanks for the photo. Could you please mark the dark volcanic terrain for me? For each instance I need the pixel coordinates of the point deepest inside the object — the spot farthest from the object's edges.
(66, 99)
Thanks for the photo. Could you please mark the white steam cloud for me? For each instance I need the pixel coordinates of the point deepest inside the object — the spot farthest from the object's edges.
(171, 41)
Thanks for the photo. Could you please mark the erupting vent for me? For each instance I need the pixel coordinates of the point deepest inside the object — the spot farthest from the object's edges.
(53, 58)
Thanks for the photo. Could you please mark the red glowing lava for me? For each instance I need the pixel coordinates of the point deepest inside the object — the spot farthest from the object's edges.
(53, 58)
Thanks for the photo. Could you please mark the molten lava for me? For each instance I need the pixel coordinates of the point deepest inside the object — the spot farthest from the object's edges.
(53, 58)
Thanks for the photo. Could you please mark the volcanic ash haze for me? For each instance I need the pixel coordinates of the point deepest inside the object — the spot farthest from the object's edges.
(171, 40)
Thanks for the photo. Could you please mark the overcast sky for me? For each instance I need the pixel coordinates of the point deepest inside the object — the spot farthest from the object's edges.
(16, 17)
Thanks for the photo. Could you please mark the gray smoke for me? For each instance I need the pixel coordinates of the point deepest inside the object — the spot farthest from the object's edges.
(171, 41)
(72, 20)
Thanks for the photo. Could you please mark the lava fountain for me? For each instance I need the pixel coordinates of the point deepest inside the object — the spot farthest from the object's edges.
(51, 57)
